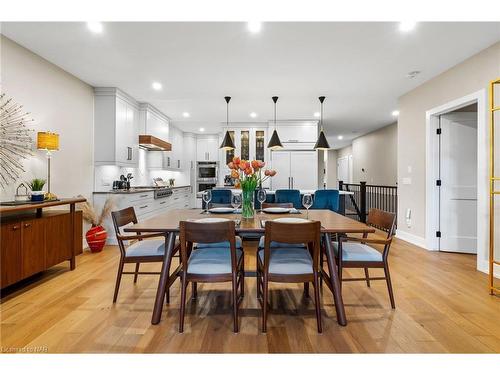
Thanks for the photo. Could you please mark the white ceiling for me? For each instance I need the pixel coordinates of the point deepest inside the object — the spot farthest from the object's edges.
(360, 67)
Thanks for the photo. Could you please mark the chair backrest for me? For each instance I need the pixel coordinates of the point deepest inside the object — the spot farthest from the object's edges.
(121, 218)
(284, 205)
(191, 232)
(288, 196)
(307, 233)
(382, 220)
(220, 198)
(327, 199)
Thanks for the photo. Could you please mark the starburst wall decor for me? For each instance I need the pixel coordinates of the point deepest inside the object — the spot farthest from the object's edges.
(15, 140)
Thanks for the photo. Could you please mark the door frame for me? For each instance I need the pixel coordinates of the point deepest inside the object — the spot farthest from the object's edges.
(432, 165)
(348, 159)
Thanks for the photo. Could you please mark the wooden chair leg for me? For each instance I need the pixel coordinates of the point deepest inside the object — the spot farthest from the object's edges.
(264, 303)
(195, 290)
(258, 278)
(118, 279)
(136, 272)
(183, 303)
(389, 285)
(317, 302)
(242, 276)
(340, 276)
(235, 302)
(167, 296)
(367, 275)
(306, 290)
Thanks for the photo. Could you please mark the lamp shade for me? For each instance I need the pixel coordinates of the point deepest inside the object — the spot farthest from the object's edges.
(227, 143)
(322, 142)
(275, 142)
(47, 141)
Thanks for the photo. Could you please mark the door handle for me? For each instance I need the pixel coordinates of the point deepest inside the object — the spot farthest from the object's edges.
(292, 181)
(129, 153)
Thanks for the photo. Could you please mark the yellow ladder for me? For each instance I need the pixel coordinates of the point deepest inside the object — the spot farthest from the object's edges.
(493, 108)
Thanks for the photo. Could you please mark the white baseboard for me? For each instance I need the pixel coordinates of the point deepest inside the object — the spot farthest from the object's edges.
(483, 266)
(411, 238)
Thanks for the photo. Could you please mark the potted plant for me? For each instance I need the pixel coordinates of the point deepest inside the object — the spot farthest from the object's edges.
(96, 236)
(36, 186)
(248, 175)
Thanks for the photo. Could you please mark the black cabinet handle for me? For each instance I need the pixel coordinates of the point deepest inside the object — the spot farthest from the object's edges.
(129, 153)
(146, 206)
(143, 196)
(163, 202)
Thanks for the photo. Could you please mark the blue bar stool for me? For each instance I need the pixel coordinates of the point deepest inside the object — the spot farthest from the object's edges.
(326, 200)
(289, 196)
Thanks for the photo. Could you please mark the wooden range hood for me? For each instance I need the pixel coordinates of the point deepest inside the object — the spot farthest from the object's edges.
(152, 143)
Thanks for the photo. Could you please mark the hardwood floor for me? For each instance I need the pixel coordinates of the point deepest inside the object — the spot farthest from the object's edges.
(442, 305)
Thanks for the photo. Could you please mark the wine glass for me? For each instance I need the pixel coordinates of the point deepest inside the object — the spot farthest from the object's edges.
(307, 202)
(207, 197)
(261, 197)
(236, 201)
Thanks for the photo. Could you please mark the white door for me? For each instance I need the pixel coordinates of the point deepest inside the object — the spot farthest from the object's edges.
(281, 164)
(304, 170)
(343, 169)
(458, 192)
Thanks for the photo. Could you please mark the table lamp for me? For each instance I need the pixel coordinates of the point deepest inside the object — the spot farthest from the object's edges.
(49, 142)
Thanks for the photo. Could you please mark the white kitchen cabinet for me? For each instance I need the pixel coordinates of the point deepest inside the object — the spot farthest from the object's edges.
(295, 170)
(116, 135)
(153, 122)
(177, 153)
(207, 148)
(296, 134)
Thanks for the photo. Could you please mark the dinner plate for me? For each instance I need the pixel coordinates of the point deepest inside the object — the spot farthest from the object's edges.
(276, 210)
(211, 220)
(291, 220)
(221, 210)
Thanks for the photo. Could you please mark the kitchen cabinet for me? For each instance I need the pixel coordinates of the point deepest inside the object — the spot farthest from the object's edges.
(116, 136)
(290, 167)
(177, 153)
(153, 122)
(207, 148)
(296, 134)
(33, 244)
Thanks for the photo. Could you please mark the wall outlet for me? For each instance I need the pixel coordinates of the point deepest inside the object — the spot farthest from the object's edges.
(406, 180)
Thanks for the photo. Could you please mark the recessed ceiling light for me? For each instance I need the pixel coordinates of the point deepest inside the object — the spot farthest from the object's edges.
(317, 114)
(202, 129)
(186, 114)
(395, 113)
(95, 27)
(253, 114)
(254, 26)
(340, 137)
(407, 26)
(157, 86)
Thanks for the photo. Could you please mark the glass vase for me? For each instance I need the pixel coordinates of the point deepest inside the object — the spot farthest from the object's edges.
(248, 207)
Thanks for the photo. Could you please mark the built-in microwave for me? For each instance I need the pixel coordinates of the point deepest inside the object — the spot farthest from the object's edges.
(207, 170)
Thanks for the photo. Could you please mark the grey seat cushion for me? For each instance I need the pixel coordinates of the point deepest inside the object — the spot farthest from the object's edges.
(146, 248)
(358, 252)
(279, 244)
(289, 260)
(211, 260)
(239, 244)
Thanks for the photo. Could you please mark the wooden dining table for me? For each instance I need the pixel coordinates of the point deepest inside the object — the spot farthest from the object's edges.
(168, 225)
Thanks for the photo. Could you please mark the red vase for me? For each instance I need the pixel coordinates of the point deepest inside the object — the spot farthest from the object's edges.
(96, 238)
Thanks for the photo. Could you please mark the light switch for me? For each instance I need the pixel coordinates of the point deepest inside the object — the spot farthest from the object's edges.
(406, 180)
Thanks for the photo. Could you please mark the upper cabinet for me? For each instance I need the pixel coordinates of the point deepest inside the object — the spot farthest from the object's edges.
(207, 148)
(296, 134)
(153, 122)
(250, 142)
(116, 135)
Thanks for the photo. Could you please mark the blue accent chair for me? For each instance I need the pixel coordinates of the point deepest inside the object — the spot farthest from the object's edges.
(326, 200)
(288, 196)
(220, 196)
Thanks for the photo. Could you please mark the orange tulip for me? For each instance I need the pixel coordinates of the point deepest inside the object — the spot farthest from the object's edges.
(272, 173)
(236, 160)
(266, 172)
(242, 166)
(248, 171)
(256, 164)
(231, 165)
(237, 184)
(234, 173)
(261, 164)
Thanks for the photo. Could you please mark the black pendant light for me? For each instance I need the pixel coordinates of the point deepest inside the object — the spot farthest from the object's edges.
(227, 143)
(321, 143)
(274, 142)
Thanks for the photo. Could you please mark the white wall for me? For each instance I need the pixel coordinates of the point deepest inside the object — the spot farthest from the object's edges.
(472, 75)
(59, 102)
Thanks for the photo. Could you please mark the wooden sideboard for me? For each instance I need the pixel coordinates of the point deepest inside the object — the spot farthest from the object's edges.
(33, 239)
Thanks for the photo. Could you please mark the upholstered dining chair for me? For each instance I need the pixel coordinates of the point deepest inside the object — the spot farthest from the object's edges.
(149, 251)
(353, 252)
(210, 253)
(288, 196)
(290, 255)
(220, 198)
(326, 199)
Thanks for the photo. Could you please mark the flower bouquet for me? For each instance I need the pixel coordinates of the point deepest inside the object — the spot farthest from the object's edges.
(248, 175)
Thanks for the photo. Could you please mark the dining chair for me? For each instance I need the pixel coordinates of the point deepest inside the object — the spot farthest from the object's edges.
(326, 199)
(354, 252)
(220, 198)
(209, 253)
(149, 251)
(290, 263)
(288, 196)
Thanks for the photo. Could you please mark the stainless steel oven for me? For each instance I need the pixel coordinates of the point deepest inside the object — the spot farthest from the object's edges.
(207, 170)
(206, 186)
